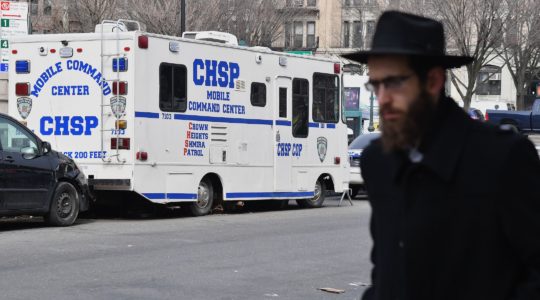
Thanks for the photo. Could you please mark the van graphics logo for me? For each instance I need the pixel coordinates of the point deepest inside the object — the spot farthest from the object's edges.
(118, 106)
(196, 139)
(322, 146)
(68, 125)
(213, 73)
(70, 65)
(24, 106)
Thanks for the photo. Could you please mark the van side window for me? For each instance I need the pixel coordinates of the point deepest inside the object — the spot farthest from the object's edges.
(325, 98)
(258, 94)
(300, 109)
(282, 102)
(172, 87)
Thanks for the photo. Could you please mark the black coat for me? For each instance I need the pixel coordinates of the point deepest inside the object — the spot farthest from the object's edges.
(464, 223)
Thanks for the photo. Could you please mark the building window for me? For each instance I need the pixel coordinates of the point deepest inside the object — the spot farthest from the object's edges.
(370, 30)
(288, 35)
(325, 98)
(357, 34)
(298, 34)
(311, 3)
(34, 7)
(347, 3)
(172, 87)
(258, 94)
(311, 35)
(282, 102)
(295, 3)
(300, 109)
(346, 34)
(47, 7)
(488, 81)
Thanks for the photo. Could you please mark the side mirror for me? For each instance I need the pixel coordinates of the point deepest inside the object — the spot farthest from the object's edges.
(29, 152)
(46, 147)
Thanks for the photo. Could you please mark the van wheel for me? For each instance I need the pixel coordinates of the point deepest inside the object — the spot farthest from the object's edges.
(64, 207)
(205, 199)
(318, 198)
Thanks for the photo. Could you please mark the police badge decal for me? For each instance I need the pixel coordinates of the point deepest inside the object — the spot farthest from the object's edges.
(322, 145)
(24, 106)
(118, 106)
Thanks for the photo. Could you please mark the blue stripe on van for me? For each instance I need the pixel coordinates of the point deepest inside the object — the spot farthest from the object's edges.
(154, 196)
(163, 196)
(152, 115)
(222, 119)
(149, 115)
(270, 195)
(283, 123)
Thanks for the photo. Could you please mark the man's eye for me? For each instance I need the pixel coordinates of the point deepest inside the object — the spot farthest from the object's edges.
(392, 82)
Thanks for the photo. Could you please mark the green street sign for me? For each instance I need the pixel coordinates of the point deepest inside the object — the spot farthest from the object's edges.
(5, 22)
(4, 44)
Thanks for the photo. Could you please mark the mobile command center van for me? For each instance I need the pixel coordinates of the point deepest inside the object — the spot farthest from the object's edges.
(184, 120)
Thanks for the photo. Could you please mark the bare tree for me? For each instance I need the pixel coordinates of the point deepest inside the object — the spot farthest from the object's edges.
(88, 13)
(256, 22)
(521, 49)
(472, 27)
(162, 16)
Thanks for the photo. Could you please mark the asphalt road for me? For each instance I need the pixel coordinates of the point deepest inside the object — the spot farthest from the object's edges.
(286, 254)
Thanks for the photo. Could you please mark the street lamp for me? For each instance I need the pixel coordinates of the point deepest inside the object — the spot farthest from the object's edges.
(371, 128)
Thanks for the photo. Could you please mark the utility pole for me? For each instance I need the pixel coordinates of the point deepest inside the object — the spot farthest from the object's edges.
(182, 16)
(371, 128)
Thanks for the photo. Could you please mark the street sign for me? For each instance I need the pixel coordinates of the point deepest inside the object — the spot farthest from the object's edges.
(13, 22)
(14, 10)
(13, 27)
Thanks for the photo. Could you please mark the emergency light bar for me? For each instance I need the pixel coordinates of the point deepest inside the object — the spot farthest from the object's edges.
(120, 64)
(22, 89)
(22, 66)
(143, 41)
(120, 143)
(119, 88)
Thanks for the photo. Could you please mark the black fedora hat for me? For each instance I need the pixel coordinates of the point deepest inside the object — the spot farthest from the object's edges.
(399, 33)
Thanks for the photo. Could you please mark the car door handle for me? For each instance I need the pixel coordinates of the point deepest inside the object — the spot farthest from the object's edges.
(9, 159)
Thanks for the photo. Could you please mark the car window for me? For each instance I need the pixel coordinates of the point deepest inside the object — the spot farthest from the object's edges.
(13, 137)
(362, 141)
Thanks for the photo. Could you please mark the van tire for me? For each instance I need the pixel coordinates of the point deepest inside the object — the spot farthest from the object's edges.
(205, 199)
(318, 198)
(64, 207)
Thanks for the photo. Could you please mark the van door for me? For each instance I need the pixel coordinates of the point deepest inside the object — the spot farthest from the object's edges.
(282, 134)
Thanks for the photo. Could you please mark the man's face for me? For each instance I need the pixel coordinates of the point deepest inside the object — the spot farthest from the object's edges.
(405, 106)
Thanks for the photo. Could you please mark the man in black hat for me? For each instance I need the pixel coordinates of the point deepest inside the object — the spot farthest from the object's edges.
(455, 202)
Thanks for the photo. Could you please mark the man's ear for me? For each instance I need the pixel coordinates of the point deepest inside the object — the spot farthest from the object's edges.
(436, 79)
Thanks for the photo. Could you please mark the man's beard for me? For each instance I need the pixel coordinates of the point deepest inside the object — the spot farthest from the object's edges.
(405, 132)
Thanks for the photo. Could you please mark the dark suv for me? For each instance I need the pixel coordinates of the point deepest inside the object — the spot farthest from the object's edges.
(35, 180)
